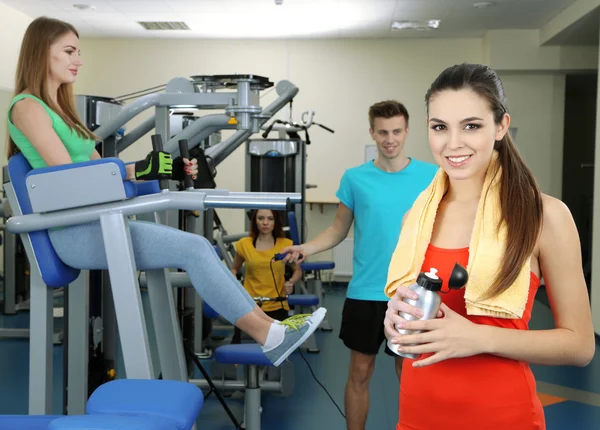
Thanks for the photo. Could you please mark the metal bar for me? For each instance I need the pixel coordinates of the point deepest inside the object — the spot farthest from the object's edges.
(10, 273)
(139, 205)
(166, 326)
(129, 111)
(198, 100)
(40, 345)
(222, 150)
(198, 130)
(135, 134)
(176, 279)
(286, 90)
(78, 341)
(234, 237)
(236, 385)
(126, 297)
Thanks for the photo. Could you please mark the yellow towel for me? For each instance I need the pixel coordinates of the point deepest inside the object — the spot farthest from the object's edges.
(485, 250)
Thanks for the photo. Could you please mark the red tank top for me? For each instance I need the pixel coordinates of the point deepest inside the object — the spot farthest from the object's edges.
(471, 393)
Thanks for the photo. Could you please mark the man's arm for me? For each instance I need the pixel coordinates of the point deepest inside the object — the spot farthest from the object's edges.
(334, 234)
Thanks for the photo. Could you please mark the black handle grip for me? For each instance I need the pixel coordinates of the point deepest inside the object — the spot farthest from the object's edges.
(279, 257)
(157, 146)
(185, 153)
(324, 127)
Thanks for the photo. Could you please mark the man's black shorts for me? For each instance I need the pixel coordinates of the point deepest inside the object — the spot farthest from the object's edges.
(362, 326)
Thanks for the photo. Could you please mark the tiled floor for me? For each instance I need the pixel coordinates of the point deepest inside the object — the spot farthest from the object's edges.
(571, 395)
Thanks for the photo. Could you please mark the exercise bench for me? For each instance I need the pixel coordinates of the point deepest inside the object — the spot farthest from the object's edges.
(125, 404)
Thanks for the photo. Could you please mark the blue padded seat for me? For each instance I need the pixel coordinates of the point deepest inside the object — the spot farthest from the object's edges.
(245, 353)
(112, 422)
(303, 300)
(218, 251)
(26, 422)
(146, 187)
(314, 266)
(177, 401)
(54, 272)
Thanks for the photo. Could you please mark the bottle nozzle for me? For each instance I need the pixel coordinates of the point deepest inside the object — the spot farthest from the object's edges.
(458, 277)
(433, 273)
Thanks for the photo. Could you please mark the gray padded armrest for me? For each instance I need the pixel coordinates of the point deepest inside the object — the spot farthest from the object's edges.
(77, 187)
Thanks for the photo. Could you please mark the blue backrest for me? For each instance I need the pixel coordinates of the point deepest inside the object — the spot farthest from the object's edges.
(54, 272)
(295, 235)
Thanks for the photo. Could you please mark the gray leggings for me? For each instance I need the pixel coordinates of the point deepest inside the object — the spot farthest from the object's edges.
(157, 246)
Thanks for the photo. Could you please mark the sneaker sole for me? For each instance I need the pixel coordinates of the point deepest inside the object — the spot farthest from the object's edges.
(317, 317)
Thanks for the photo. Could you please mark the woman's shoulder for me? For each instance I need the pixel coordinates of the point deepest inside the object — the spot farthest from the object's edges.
(554, 209)
(556, 221)
(27, 107)
(284, 242)
(245, 240)
(25, 101)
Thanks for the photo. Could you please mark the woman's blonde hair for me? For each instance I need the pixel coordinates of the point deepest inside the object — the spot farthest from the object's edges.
(33, 68)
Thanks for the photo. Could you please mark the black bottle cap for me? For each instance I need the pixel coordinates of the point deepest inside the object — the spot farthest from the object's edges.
(458, 277)
(430, 280)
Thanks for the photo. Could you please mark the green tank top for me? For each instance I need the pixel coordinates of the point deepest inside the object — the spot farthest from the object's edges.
(80, 149)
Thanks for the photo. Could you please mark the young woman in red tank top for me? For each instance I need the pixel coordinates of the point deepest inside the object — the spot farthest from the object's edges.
(474, 371)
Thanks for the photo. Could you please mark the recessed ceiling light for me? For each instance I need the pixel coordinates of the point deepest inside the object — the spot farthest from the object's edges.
(431, 24)
(483, 4)
(82, 6)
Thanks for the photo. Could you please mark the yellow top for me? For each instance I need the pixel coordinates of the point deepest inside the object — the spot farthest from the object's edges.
(258, 279)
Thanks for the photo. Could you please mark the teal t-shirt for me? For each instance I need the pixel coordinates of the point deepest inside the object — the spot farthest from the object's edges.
(379, 200)
(79, 148)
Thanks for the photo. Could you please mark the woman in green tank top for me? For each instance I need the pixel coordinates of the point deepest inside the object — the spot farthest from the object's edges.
(43, 124)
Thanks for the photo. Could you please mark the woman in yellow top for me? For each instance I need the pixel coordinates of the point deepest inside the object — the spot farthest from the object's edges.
(264, 277)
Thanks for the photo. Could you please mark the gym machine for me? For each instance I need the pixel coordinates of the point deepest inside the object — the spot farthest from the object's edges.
(173, 121)
(59, 200)
(279, 164)
(16, 278)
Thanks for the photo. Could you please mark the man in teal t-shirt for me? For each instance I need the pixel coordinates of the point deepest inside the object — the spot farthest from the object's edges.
(375, 196)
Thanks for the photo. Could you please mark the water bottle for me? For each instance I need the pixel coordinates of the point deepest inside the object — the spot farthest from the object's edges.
(428, 288)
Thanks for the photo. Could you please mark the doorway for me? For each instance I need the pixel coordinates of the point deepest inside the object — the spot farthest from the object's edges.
(578, 158)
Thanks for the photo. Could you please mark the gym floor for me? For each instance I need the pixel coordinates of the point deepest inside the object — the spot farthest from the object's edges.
(571, 395)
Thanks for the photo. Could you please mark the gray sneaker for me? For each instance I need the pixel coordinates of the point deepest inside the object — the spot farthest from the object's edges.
(297, 329)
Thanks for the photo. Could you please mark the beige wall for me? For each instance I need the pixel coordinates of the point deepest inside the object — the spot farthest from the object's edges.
(339, 79)
(536, 104)
(12, 27)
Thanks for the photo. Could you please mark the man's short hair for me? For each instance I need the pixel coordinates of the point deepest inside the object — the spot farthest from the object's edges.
(387, 109)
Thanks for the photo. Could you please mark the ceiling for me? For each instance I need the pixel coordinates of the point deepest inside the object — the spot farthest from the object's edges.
(293, 18)
(584, 31)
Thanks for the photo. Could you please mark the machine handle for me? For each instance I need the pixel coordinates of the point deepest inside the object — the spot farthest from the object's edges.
(325, 127)
(185, 153)
(157, 146)
(279, 257)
